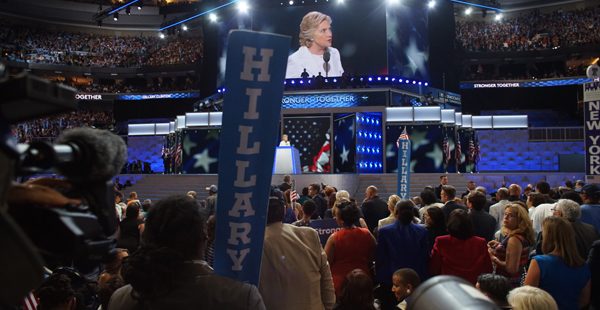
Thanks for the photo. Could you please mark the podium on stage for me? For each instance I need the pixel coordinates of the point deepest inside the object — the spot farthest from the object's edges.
(287, 160)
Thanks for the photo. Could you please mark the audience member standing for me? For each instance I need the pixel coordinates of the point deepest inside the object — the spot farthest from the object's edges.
(496, 287)
(405, 281)
(593, 261)
(167, 271)
(460, 253)
(561, 272)
(448, 194)
(585, 234)
(211, 200)
(287, 183)
(356, 292)
(438, 189)
(130, 228)
(349, 248)
(294, 272)
(512, 254)
(400, 245)
(314, 192)
(590, 209)
(497, 210)
(373, 208)
(484, 225)
(391, 203)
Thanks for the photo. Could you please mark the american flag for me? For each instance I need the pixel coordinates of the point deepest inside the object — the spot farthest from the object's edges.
(403, 136)
(30, 302)
(446, 149)
(457, 150)
(294, 196)
(471, 154)
(477, 150)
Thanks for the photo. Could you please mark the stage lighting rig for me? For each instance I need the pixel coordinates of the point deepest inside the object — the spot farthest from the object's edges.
(114, 10)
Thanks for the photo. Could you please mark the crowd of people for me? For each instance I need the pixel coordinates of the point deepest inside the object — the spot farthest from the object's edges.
(38, 45)
(531, 31)
(521, 248)
(51, 127)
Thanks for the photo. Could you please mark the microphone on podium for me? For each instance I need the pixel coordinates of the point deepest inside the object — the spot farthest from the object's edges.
(326, 58)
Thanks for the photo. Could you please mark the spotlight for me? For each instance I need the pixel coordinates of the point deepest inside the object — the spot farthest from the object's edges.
(291, 2)
(184, 27)
(393, 2)
(431, 4)
(243, 7)
(498, 17)
(161, 35)
(340, 1)
(212, 17)
(116, 16)
(128, 10)
(468, 11)
(140, 4)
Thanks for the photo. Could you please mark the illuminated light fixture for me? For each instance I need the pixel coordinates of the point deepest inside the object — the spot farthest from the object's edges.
(116, 16)
(468, 11)
(340, 1)
(243, 7)
(477, 5)
(212, 17)
(291, 2)
(184, 27)
(161, 35)
(124, 6)
(393, 2)
(498, 17)
(206, 12)
(431, 4)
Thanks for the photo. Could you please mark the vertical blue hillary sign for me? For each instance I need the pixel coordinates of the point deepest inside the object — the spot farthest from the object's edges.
(404, 149)
(256, 64)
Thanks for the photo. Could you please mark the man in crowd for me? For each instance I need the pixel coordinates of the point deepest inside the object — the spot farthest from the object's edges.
(438, 190)
(373, 208)
(287, 183)
(291, 278)
(484, 225)
(470, 187)
(211, 200)
(590, 209)
(448, 195)
(543, 210)
(314, 192)
(497, 210)
(514, 192)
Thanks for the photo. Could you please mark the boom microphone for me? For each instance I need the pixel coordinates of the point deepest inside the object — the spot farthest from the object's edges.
(98, 155)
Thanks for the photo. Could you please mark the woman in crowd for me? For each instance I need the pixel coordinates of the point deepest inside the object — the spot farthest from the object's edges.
(400, 245)
(460, 253)
(392, 201)
(428, 200)
(512, 254)
(351, 247)
(356, 292)
(534, 200)
(561, 272)
(435, 223)
(531, 298)
(405, 281)
(130, 228)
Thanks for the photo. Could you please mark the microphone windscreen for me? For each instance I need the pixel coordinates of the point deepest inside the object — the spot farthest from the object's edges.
(102, 154)
(326, 56)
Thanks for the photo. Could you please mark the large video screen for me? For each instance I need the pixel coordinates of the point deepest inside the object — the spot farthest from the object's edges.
(371, 37)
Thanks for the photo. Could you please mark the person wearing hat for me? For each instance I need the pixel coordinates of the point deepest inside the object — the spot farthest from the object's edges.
(211, 200)
(590, 209)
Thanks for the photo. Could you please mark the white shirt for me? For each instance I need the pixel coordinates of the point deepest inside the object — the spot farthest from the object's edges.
(541, 212)
(497, 211)
(304, 59)
(284, 143)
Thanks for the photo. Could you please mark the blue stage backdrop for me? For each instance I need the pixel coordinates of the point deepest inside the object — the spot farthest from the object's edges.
(426, 155)
(200, 151)
(344, 143)
(408, 40)
(310, 135)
